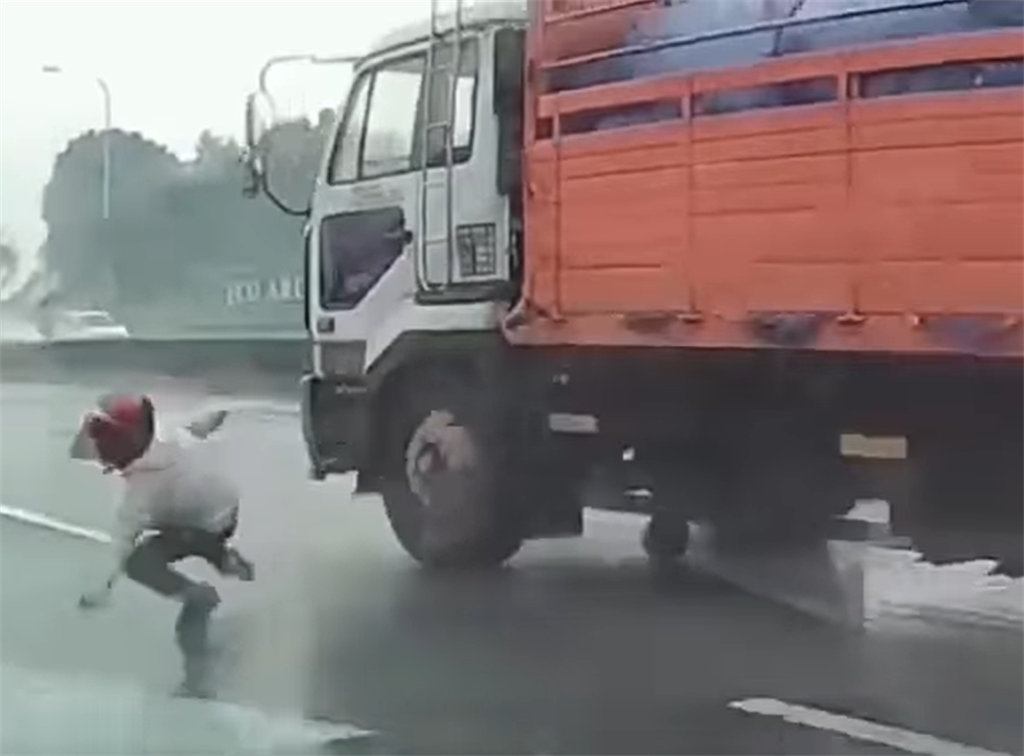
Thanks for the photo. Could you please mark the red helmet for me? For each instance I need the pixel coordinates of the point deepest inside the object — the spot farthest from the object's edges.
(121, 430)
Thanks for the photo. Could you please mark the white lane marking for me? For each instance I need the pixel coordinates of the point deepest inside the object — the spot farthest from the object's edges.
(44, 521)
(859, 729)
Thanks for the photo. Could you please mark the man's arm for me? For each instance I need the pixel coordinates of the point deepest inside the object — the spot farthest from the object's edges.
(82, 447)
(207, 424)
(128, 525)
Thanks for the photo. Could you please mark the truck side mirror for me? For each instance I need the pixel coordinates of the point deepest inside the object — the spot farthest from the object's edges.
(257, 121)
(509, 61)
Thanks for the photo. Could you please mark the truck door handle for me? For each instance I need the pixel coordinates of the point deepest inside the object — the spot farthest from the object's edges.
(405, 236)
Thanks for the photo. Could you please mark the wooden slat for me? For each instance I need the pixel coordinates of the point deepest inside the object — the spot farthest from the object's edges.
(577, 9)
(672, 87)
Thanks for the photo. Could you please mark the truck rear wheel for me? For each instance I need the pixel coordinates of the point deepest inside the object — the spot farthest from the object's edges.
(667, 536)
(443, 492)
(665, 540)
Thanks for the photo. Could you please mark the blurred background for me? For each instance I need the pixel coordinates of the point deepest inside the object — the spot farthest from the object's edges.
(165, 223)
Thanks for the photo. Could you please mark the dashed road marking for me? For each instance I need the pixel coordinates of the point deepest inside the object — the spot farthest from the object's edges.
(50, 523)
(859, 729)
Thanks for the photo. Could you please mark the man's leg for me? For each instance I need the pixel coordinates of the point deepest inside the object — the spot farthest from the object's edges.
(215, 549)
(150, 562)
(192, 630)
(236, 565)
(150, 565)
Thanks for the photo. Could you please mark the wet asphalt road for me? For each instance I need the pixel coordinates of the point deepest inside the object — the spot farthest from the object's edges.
(571, 650)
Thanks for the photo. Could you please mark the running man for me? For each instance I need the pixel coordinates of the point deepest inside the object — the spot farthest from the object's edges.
(174, 507)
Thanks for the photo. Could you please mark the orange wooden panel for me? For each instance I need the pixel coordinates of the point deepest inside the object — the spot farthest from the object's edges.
(812, 135)
(975, 173)
(800, 169)
(624, 219)
(649, 148)
(880, 110)
(767, 203)
(561, 10)
(892, 207)
(619, 290)
(805, 287)
(928, 287)
(614, 95)
(780, 261)
(923, 130)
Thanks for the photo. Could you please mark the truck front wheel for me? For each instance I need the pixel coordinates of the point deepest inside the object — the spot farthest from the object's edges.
(443, 490)
(665, 540)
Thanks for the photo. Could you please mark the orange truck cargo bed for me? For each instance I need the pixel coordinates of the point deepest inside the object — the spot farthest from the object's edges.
(861, 219)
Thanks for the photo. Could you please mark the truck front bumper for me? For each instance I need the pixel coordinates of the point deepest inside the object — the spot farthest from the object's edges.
(335, 423)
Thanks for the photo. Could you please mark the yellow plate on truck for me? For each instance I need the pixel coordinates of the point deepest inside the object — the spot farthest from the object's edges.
(873, 447)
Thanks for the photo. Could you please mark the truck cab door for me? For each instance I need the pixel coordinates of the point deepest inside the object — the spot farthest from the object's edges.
(364, 209)
(463, 224)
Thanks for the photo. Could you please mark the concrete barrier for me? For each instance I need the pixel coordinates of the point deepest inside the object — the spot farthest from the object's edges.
(231, 363)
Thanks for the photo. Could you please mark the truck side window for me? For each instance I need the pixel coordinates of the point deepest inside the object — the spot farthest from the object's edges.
(344, 164)
(357, 249)
(465, 103)
(391, 122)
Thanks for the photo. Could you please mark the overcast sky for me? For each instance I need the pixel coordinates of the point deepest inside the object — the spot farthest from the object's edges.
(174, 67)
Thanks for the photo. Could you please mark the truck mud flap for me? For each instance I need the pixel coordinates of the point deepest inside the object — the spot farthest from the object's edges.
(335, 424)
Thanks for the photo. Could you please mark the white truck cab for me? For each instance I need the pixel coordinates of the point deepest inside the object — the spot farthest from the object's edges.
(408, 231)
(410, 227)
(413, 231)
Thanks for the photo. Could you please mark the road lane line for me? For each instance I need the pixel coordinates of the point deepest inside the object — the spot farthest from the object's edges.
(859, 729)
(44, 521)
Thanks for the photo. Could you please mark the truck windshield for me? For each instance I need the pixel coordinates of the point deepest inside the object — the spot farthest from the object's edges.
(377, 134)
(380, 132)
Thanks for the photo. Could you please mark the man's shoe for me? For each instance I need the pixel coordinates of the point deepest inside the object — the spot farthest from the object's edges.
(238, 566)
(200, 598)
(193, 689)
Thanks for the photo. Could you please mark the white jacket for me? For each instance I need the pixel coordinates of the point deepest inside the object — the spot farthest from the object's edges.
(174, 484)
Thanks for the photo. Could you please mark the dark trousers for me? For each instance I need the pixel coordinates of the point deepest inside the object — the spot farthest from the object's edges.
(150, 562)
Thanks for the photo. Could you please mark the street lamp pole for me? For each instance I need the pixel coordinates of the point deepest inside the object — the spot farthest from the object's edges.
(104, 140)
(106, 146)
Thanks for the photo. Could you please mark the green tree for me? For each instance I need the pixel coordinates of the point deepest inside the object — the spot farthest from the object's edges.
(88, 253)
(179, 231)
(9, 261)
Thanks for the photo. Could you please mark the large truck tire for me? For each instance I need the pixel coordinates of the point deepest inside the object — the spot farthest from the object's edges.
(666, 536)
(665, 540)
(443, 491)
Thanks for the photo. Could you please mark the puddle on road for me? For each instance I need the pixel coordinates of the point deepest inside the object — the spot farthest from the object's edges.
(851, 584)
(903, 590)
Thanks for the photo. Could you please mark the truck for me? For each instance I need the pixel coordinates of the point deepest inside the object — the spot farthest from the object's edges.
(734, 263)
